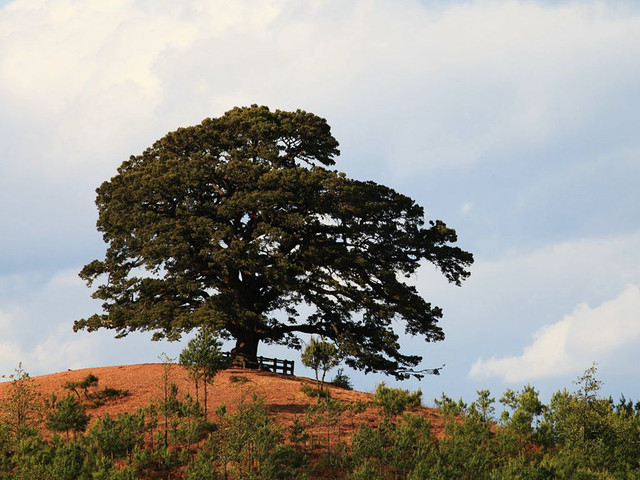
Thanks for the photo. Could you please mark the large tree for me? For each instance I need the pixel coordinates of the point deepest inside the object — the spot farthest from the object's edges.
(238, 225)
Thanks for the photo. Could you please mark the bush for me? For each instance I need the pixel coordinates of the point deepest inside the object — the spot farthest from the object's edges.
(202, 468)
(283, 462)
(395, 401)
(68, 462)
(109, 393)
(85, 384)
(238, 379)
(312, 392)
(341, 380)
(117, 437)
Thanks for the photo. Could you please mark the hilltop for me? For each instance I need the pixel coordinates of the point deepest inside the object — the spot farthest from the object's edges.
(144, 383)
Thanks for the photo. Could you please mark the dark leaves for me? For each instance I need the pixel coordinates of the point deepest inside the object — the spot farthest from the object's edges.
(237, 224)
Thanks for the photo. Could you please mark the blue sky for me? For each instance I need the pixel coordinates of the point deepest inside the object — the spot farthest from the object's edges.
(513, 121)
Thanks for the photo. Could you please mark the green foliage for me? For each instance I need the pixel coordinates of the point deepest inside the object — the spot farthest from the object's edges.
(93, 397)
(412, 439)
(592, 433)
(228, 223)
(577, 436)
(483, 406)
(169, 402)
(282, 463)
(31, 458)
(328, 416)
(68, 462)
(22, 407)
(103, 468)
(395, 401)
(316, 392)
(238, 379)
(245, 441)
(66, 415)
(202, 467)
(203, 359)
(392, 450)
(321, 356)
(85, 384)
(370, 447)
(450, 408)
(366, 470)
(465, 450)
(298, 434)
(116, 438)
(525, 408)
(342, 380)
(109, 393)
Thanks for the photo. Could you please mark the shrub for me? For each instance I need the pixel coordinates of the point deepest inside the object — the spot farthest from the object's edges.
(87, 382)
(341, 380)
(117, 437)
(309, 391)
(395, 401)
(238, 379)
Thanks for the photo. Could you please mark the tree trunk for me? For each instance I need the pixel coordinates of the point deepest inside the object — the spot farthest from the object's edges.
(245, 353)
(205, 398)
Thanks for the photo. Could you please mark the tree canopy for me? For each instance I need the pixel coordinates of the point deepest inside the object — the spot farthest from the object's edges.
(240, 226)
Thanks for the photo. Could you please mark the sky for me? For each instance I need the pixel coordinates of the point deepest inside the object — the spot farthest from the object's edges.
(516, 122)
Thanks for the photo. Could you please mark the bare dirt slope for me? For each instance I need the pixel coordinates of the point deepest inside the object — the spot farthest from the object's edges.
(144, 383)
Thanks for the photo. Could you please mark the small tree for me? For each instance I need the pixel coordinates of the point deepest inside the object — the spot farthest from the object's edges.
(321, 357)
(525, 408)
(117, 438)
(342, 380)
(246, 440)
(449, 407)
(87, 382)
(203, 359)
(66, 415)
(22, 406)
(483, 405)
(169, 393)
(580, 419)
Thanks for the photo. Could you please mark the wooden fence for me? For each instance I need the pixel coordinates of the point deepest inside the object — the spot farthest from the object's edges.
(272, 364)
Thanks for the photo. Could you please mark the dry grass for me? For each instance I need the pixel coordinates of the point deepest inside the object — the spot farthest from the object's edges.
(282, 393)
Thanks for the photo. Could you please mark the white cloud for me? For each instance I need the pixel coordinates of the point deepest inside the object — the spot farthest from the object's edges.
(37, 323)
(489, 322)
(57, 352)
(580, 269)
(10, 357)
(62, 350)
(587, 334)
(524, 286)
(85, 72)
(10, 353)
(456, 84)
(406, 87)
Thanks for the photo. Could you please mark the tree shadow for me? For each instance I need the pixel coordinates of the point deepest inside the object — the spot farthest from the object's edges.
(286, 408)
